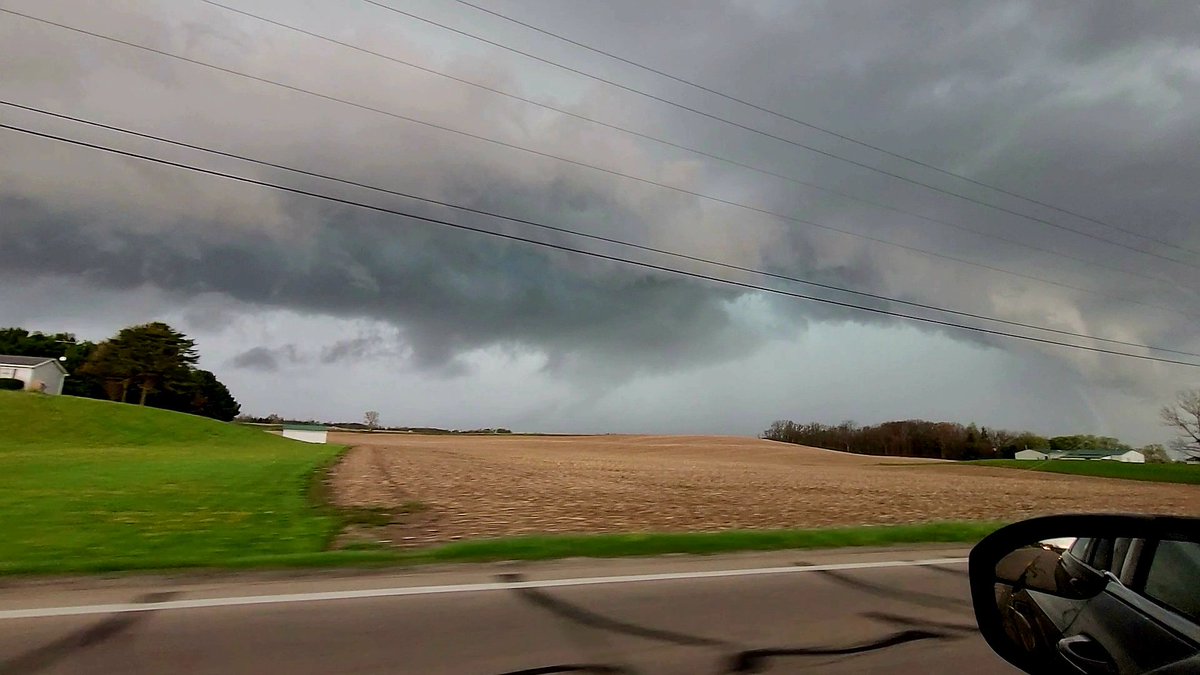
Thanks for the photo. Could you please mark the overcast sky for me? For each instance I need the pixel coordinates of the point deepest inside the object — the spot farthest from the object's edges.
(312, 309)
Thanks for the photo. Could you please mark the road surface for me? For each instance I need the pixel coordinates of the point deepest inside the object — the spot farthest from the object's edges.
(896, 611)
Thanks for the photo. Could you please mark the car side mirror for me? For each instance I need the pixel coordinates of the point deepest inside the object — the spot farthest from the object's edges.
(1092, 594)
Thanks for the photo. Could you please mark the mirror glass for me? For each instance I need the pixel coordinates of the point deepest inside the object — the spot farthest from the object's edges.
(1102, 605)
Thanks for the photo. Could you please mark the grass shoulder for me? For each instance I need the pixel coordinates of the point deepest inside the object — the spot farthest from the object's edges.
(702, 543)
(553, 547)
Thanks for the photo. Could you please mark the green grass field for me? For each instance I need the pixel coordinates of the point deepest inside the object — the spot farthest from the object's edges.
(1163, 473)
(96, 485)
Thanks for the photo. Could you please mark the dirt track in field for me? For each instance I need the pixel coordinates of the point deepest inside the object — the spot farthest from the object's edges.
(488, 486)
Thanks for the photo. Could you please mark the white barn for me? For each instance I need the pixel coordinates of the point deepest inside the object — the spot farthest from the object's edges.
(1129, 456)
(39, 373)
(309, 433)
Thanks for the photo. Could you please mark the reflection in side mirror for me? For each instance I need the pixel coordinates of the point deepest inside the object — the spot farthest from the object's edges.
(1091, 594)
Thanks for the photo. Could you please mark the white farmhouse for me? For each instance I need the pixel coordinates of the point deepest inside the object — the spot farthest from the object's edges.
(39, 373)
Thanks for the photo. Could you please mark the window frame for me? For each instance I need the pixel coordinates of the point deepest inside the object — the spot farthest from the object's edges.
(1143, 575)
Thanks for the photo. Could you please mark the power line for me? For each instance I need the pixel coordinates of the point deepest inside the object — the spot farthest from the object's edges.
(567, 160)
(826, 153)
(577, 233)
(703, 153)
(826, 130)
(594, 254)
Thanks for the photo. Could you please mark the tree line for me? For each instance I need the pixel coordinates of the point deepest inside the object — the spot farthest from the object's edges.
(934, 440)
(150, 364)
(370, 422)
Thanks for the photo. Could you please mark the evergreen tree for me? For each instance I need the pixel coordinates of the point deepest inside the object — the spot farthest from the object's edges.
(153, 357)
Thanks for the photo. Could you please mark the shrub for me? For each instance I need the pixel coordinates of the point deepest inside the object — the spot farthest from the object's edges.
(11, 384)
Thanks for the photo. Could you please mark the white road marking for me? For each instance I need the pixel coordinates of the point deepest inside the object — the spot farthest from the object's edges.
(199, 603)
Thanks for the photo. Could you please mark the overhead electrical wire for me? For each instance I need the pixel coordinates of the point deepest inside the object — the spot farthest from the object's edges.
(567, 160)
(824, 130)
(594, 254)
(766, 134)
(577, 233)
(679, 146)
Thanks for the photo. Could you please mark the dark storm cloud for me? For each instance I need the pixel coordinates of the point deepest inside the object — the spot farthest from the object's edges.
(268, 359)
(448, 292)
(257, 358)
(1096, 107)
(353, 349)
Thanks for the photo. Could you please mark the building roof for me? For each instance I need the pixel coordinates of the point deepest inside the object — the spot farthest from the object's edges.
(305, 427)
(29, 361)
(1090, 453)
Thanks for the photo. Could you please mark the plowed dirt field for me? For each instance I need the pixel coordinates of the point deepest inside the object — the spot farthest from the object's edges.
(443, 488)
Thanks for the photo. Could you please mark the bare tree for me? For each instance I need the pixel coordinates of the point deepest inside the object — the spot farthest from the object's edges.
(1184, 417)
(1155, 454)
(371, 417)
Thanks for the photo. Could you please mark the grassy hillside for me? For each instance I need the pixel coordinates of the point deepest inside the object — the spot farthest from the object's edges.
(1163, 473)
(90, 484)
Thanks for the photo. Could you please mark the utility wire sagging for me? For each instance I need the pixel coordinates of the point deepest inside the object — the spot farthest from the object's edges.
(594, 254)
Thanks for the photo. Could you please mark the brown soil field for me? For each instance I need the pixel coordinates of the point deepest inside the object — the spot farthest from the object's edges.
(490, 486)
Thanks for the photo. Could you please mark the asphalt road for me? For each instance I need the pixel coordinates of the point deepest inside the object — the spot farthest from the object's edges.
(895, 611)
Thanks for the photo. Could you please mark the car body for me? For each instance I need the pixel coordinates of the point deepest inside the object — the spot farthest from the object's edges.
(1103, 604)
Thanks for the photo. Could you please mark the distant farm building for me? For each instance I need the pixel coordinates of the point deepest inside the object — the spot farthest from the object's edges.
(1130, 456)
(39, 373)
(309, 433)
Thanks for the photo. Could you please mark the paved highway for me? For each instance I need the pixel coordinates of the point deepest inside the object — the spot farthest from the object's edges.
(896, 611)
